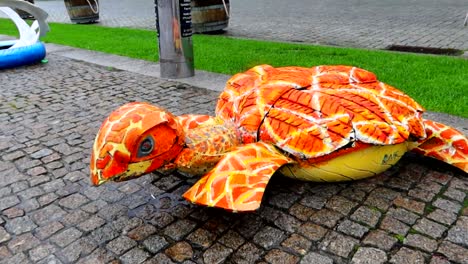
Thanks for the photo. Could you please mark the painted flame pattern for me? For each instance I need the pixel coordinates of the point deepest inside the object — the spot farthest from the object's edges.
(444, 143)
(311, 112)
(239, 180)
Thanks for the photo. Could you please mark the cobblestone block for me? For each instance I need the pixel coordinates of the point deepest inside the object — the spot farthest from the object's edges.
(314, 201)
(159, 259)
(46, 231)
(459, 184)
(421, 242)
(232, 239)
(338, 244)
(439, 260)
(455, 194)
(392, 225)
(53, 185)
(41, 153)
(353, 229)
(179, 229)
(409, 204)
(366, 216)
(430, 228)
(246, 254)
(73, 201)
(406, 255)
(297, 244)
(369, 255)
(91, 223)
(269, 237)
(202, 238)
(453, 252)
(403, 215)
(180, 251)
(442, 178)
(99, 255)
(155, 243)
(353, 194)
(75, 176)
(13, 155)
(36, 171)
(313, 257)
(421, 194)
(400, 183)
(283, 200)
(458, 234)
(4, 235)
(326, 217)
(301, 212)
(48, 214)
(141, 232)
(287, 223)
(377, 202)
(380, 239)
(19, 186)
(20, 225)
(441, 216)
(277, 256)
(4, 253)
(216, 254)
(312, 231)
(17, 258)
(13, 212)
(23, 243)
(249, 226)
(8, 202)
(5, 191)
(340, 204)
(75, 217)
(42, 251)
(13, 176)
(121, 245)
(134, 256)
(65, 237)
(447, 205)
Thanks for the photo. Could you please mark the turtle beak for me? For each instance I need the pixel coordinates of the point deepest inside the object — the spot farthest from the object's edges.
(107, 167)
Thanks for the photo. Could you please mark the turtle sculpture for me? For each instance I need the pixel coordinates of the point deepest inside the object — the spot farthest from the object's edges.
(325, 124)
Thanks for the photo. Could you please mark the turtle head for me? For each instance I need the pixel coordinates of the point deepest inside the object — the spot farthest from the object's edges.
(135, 139)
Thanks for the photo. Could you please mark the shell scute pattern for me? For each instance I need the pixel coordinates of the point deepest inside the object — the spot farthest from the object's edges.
(312, 112)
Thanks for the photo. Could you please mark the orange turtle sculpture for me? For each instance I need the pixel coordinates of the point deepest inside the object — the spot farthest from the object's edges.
(326, 124)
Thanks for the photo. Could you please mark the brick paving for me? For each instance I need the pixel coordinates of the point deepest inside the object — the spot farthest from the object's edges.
(49, 114)
(346, 23)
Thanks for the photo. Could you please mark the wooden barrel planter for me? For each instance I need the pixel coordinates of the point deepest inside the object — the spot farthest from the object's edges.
(83, 11)
(210, 15)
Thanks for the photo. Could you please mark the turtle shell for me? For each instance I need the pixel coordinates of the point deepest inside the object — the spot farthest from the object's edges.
(311, 112)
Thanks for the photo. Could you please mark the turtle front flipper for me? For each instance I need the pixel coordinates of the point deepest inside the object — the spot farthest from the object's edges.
(444, 143)
(238, 181)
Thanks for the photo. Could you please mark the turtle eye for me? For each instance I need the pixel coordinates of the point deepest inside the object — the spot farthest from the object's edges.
(146, 147)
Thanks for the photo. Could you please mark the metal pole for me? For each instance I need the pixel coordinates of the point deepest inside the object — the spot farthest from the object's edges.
(174, 26)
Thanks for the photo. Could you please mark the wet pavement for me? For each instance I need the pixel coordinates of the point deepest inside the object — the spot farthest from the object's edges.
(346, 23)
(49, 114)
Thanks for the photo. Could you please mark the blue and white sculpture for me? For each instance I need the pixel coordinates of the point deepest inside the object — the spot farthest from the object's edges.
(27, 49)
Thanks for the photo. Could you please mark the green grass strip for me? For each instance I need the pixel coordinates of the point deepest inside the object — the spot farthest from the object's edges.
(439, 83)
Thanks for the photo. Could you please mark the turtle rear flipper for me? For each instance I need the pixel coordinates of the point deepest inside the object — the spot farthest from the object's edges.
(238, 181)
(444, 143)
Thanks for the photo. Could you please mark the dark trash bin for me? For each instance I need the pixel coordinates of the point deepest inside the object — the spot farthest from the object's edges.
(83, 11)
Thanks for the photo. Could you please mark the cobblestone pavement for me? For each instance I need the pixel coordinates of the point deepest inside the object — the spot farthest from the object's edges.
(349, 23)
(49, 115)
